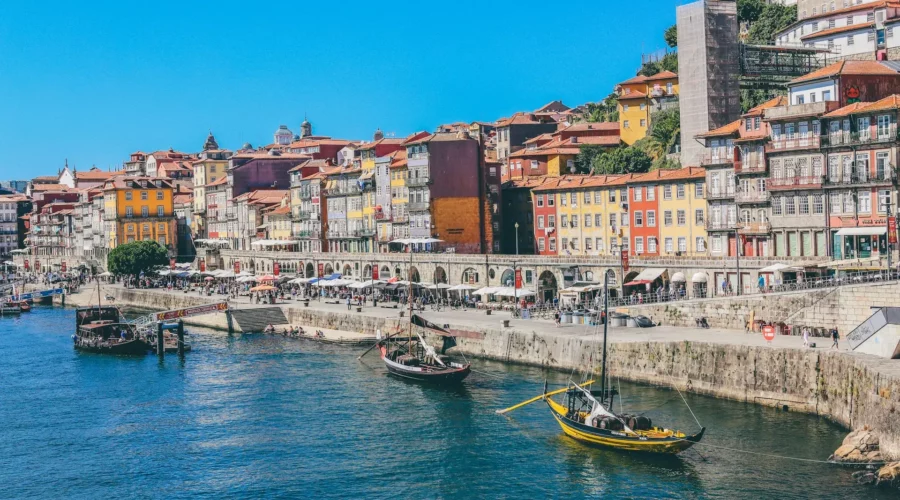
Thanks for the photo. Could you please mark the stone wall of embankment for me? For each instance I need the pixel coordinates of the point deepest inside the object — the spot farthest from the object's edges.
(844, 307)
(854, 390)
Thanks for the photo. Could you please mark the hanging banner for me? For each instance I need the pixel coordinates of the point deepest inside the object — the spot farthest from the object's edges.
(237, 267)
(276, 269)
(171, 262)
(37, 265)
(62, 267)
(375, 273)
(518, 278)
(27, 267)
(321, 271)
(892, 230)
(202, 265)
(625, 260)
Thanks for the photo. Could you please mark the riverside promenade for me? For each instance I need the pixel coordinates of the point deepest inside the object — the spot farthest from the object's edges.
(852, 389)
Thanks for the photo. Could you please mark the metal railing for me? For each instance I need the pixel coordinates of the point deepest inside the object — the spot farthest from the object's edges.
(860, 177)
(754, 227)
(720, 156)
(750, 167)
(418, 181)
(720, 225)
(795, 143)
(751, 196)
(418, 207)
(719, 194)
(860, 139)
(812, 181)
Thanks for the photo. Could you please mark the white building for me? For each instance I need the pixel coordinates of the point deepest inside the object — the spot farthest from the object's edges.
(863, 30)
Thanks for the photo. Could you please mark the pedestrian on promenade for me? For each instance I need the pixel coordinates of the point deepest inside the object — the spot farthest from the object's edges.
(761, 283)
(348, 302)
(724, 287)
(556, 318)
(805, 337)
(834, 338)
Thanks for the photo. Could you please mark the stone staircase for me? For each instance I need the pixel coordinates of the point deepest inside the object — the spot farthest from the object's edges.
(256, 319)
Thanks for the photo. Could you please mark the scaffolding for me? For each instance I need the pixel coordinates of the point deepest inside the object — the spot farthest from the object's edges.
(770, 67)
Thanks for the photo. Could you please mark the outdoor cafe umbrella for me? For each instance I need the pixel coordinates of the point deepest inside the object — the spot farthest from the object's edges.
(210, 278)
(268, 277)
(263, 288)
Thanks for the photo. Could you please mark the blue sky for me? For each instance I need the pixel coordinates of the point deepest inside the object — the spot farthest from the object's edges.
(93, 81)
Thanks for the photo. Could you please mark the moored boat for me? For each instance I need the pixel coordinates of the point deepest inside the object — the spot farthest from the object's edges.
(10, 309)
(101, 330)
(24, 306)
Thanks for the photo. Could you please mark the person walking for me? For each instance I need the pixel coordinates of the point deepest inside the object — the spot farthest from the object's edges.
(834, 338)
(556, 318)
(348, 302)
(805, 337)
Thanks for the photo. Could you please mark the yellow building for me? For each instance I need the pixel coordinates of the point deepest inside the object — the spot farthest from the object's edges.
(590, 217)
(639, 98)
(139, 208)
(212, 166)
(682, 213)
(278, 221)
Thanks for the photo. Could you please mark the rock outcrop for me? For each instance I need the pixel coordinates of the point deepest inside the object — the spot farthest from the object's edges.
(860, 446)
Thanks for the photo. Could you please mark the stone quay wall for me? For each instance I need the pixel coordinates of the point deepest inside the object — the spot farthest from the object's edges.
(851, 389)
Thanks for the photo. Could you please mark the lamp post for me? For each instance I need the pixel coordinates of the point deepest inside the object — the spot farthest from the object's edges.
(517, 238)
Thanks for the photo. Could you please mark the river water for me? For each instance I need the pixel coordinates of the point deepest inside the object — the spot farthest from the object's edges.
(255, 416)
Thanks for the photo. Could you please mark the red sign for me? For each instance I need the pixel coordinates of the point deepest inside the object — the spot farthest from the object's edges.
(518, 278)
(276, 269)
(375, 273)
(768, 332)
(202, 265)
(625, 260)
(192, 311)
(26, 265)
(321, 270)
(171, 262)
(237, 267)
(62, 267)
(37, 265)
(892, 230)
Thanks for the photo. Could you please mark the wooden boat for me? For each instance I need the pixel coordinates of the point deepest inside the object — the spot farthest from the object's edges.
(100, 330)
(10, 309)
(24, 306)
(414, 359)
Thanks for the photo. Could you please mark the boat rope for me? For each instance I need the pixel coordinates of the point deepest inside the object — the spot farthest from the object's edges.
(688, 406)
(785, 457)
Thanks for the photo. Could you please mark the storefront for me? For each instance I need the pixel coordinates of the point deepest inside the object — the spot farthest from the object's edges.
(859, 242)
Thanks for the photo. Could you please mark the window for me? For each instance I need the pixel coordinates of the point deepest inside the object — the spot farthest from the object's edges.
(643, 106)
(540, 200)
(698, 217)
(625, 106)
(884, 196)
(552, 244)
(638, 219)
(717, 244)
(789, 207)
(848, 203)
(587, 220)
(551, 221)
(612, 221)
(574, 220)
(574, 243)
(682, 244)
(700, 244)
(777, 208)
(698, 190)
(849, 20)
(669, 245)
(600, 247)
(679, 191)
(643, 122)
(639, 245)
(865, 202)
(756, 122)
(682, 218)
(804, 205)
(598, 220)
(565, 244)
(667, 192)
(799, 101)
(818, 204)
(835, 202)
(128, 195)
(587, 198)
(143, 195)
(667, 218)
(129, 212)
(564, 220)
(870, 17)
(870, 37)
(145, 211)
(551, 200)
(625, 123)
(826, 95)
(849, 39)
(563, 199)
(651, 244)
(612, 195)
(651, 218)
(588, 244)
(651, 193)
(884, 125)
(573, 197)
(540, 244)
(598, 198)
(540, 222)
(638, 193)
(159, 211)
(159, 195)
(624, 219)
(534, 164)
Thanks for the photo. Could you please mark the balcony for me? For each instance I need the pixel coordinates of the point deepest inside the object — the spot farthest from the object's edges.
(400, 218)
(834, 140)
(751, 196)
(719, 194)
(343, 191)
(418, 156)
(863, 177)
(798, 111)
(755, 166)
(754, 228)
(418, 182)
(418, 207)
(794, 144)
(717, 156)
(304, 215)
(309, 235)
(716, 225)
(788, 183)
(366, 232)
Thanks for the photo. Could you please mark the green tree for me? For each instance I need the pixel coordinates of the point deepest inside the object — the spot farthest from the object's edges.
(671, 36)
(604, 111)
(136, 257)
(622, 160)
(669, 62)
(773, 18)
(749, 10)
(584, 161)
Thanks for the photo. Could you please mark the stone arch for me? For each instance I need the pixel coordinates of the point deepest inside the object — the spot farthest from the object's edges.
(348, 271)
(385, 273)
(310, 270)
(508, 277)
(413, 275)
(611, 277)
(491, 273)
(470, 276)
(328, 269)
(588, 276)
(367, 271)
(547, 286)
(440, 276)
(398, 273)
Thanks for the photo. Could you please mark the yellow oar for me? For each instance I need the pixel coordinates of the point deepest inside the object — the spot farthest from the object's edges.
(538, 398)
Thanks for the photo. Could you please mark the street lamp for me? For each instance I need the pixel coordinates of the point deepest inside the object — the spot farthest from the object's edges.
(517, 238)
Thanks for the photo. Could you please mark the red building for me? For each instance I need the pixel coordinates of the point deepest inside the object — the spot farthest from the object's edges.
(643, 204)
(545, 218)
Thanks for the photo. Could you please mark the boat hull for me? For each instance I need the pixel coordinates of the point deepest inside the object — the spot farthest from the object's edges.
(136, 347)
(448, 376)
(619, 440)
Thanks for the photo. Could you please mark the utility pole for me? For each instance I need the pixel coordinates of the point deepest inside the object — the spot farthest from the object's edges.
(517, 238)
(887, 217)
(737, 258)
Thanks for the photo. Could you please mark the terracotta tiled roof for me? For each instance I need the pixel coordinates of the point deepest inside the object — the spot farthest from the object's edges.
(846, 68)
(634, 94)
(543, 137)
(684, 173)
(731, 129)
(220, 181)
(585, 126)
(889, 102)
(44, 179)
(519, 119)
(379, 142)
(771, 103)
(281, 210)
(49, 187)
(636, 79)
(837, 30)
(662, 75)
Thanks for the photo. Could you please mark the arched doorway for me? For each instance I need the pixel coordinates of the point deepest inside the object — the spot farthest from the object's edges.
(367, 271)
(414, 275)
(547, 286)
(440, 276)
(328, 269)
(348, 271)
(385, 273)
(397, 273)
(611, 277)
(470, 276)
(310, 271)
(699, 285)
(508, 278)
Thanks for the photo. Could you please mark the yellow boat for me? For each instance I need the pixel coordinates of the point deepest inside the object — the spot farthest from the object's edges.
(589, 421)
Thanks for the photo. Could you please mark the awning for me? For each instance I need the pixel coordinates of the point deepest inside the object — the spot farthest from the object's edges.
(862, 231)
(699, 278)
(650, 274)
(638, 282)
(678, 277)
(774, 268)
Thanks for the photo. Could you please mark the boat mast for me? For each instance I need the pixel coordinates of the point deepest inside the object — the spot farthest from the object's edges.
(409, 299)
(605, 326)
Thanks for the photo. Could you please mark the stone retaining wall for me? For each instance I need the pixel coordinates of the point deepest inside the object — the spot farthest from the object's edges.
(854, 390)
